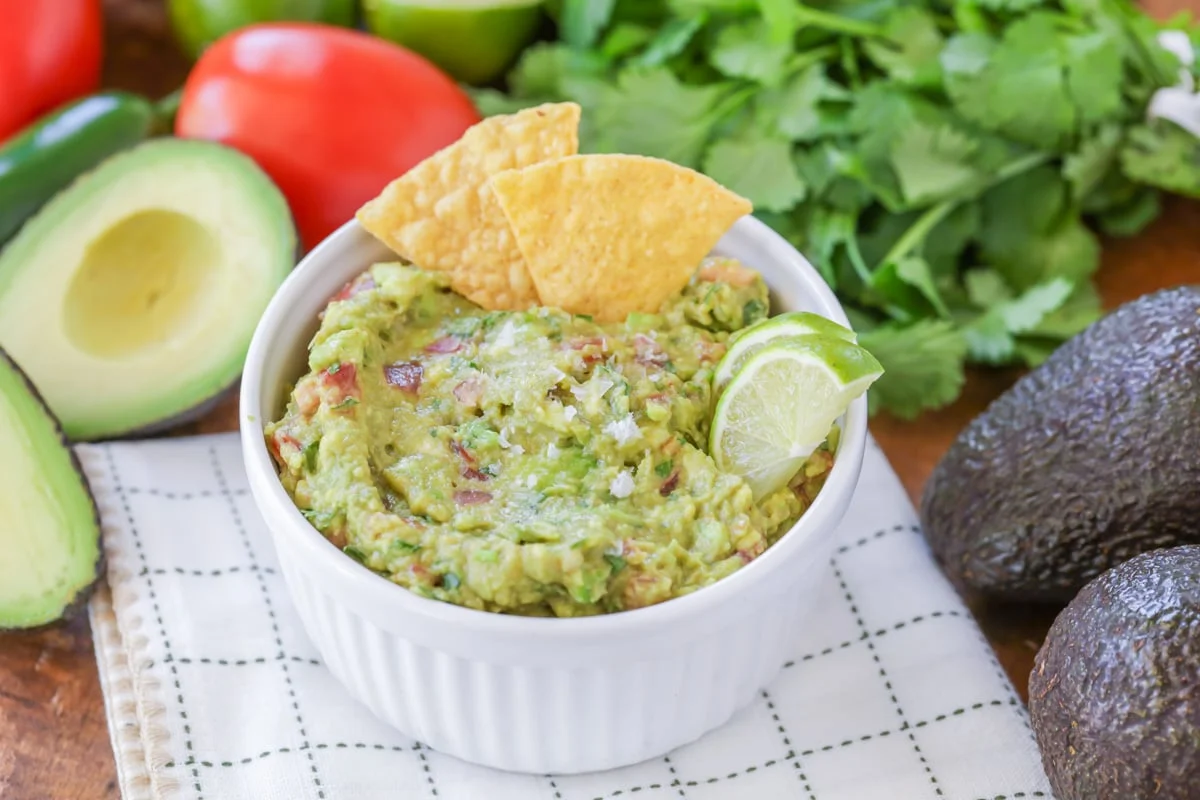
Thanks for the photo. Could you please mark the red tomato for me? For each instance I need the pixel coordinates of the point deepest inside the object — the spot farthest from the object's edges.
(332, 115)
(49, 54)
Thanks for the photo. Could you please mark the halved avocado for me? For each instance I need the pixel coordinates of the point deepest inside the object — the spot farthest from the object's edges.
(50, 537)
(130, 298)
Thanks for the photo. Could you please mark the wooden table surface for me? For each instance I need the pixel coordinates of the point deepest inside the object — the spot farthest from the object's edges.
(53, 737)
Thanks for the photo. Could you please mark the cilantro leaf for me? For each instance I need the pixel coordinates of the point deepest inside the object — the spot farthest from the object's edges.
(915, 271)
(758, 167)
(1162, 154)
(992, 337)
(933, 163)
(986, 287)
(1133, 216)
(1081, 309)
(801, 108)
(1094, 75)
(780, 17)
(909, 53)
(583, 20)
(651, 113)
(1030, 234)
(670, 40)
(905, 289)
(923, 366)
(1015, 86)
(1086, 167)
(744, 50)
(624, 38)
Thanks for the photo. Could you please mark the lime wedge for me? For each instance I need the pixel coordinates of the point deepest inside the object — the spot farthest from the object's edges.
(473, 40)
(781, 404)
(754, 338)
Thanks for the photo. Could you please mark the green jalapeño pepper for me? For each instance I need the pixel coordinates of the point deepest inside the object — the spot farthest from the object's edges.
(47, 156)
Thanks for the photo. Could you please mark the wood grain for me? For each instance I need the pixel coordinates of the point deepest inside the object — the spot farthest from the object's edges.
(53, 736)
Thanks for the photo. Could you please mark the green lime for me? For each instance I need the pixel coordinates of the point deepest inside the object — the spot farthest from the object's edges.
(199, 23)
(752, 339)
(473, 40)
(782, 402)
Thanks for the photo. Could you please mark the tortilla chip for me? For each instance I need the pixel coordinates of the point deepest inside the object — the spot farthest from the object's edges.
(607, 235)
(441, 215)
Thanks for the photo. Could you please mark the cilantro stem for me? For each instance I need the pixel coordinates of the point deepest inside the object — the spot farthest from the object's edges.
(802, 61)
(732, 102)
(806, 15)
(935, 214)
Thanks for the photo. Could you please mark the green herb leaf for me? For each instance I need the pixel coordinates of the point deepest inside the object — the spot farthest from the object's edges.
(349, 402)
(663, 468)
(933, 164)
(670, 41)
(745, 50)
(651, 113)
(923, 366)
(582, 21)
(451, 581)
(624, 38)
(310, 455)
(806, 107)
(758, 167)
(909, 52)
(355, 553)
(616, 562)
(1163, 154)
(404, 547)
(1087, 167)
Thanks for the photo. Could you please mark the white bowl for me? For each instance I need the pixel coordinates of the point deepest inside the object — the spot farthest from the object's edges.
(540, 694)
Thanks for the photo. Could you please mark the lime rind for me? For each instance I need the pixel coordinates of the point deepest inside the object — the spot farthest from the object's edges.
(782, 402)
(793, 323)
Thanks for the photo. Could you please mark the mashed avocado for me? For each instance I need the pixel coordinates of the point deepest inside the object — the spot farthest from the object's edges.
(527, 462)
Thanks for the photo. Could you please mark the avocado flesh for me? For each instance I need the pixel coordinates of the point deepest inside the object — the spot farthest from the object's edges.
(131, 298)
(1114, 695)
(50, 536)
(1087, 461)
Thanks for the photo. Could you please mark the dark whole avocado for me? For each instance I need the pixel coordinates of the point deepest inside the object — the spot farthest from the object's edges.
(1087, 461)
(1115, 690)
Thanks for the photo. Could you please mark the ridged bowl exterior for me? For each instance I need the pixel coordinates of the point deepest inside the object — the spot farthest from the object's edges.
(540, 695)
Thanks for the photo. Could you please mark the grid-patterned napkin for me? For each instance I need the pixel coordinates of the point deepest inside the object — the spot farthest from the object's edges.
(213, 690)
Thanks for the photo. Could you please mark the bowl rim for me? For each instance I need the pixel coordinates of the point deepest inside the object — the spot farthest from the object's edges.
(273, 501)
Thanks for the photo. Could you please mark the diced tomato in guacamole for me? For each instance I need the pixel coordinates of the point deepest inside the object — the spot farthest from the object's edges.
(527, 462)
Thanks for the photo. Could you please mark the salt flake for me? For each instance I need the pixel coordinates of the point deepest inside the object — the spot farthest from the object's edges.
(623, 430)
(622, 485)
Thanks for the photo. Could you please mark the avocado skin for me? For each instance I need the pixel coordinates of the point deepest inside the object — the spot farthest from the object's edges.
(1115, 691)
(78, 603)
(1087, 461)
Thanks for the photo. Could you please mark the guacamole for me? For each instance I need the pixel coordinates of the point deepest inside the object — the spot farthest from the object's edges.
(528, 462)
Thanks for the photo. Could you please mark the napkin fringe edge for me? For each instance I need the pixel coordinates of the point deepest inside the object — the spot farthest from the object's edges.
(141, 748)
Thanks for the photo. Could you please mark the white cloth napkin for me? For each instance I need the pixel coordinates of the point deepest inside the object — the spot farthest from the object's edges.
(214, 692)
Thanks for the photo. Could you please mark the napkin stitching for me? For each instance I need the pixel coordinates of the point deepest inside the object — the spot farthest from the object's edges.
(879, 534)
(958, 712)
(791, 753)
(676, 782)
(244, 662)
(219, 474)
(425, 767)
(201, 573)
(919, 618)
(883, 674)
(155, 735)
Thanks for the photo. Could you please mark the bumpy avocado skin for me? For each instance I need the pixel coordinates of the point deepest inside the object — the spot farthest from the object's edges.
(1087, 461)
(1115, 690)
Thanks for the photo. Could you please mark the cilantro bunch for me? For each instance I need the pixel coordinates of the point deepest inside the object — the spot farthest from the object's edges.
(945, 165)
